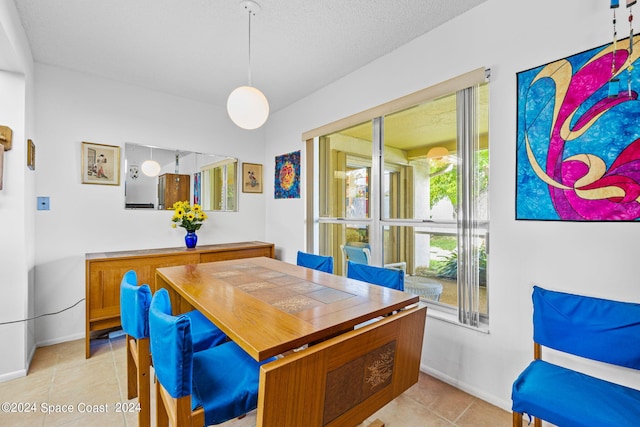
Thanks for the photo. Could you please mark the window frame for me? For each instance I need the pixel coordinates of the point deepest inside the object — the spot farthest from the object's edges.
(467, 308)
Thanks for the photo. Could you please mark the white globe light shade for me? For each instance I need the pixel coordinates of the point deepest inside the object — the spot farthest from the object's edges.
(248, 107)
(150, 168)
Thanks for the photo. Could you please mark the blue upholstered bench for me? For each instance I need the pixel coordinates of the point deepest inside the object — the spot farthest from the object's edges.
(594, 328)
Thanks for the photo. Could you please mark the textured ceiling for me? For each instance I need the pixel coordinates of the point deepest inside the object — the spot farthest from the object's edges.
(198, 49)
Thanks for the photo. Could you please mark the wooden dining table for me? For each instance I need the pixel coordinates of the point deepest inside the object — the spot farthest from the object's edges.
(273, 308)
(269, 307)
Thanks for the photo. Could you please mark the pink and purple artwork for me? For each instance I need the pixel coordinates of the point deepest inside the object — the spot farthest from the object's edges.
(578, 153)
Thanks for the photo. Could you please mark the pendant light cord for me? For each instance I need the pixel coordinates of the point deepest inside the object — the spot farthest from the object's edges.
(249, 50)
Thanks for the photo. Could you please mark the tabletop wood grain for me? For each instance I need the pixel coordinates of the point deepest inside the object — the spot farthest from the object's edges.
(269, 307)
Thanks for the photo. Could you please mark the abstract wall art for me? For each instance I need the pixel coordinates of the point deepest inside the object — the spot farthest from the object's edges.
(287, 176)
(578, 137)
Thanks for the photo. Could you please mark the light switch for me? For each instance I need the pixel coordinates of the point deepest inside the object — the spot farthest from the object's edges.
(43, 203)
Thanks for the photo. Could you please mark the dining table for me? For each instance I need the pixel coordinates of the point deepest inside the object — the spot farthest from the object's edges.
(317, 325)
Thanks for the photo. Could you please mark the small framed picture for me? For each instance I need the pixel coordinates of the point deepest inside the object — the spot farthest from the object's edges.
(100, 164)
(31, 155)
(251, 178)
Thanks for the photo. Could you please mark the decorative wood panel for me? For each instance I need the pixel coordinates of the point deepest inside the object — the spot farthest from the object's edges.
(344, 380)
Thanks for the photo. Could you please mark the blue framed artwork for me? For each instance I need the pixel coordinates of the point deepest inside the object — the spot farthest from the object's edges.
(578, 137)
(287, 176)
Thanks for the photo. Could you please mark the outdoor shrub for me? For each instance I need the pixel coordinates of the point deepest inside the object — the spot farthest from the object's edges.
(449, 267)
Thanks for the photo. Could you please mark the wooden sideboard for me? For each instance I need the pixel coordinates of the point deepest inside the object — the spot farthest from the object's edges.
(104, 273)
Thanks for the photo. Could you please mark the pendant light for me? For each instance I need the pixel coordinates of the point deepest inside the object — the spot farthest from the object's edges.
(247, 106)
(150, 167)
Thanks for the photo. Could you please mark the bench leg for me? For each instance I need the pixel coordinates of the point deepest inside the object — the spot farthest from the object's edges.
(517, 419)
(377, 423)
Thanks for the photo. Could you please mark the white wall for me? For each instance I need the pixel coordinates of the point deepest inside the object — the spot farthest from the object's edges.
(590, 258)
(72, 108)
(16, 199)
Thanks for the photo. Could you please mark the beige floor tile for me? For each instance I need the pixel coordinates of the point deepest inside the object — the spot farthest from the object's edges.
(440, 397)
(482, 414)
(61, 375)
(23, 419)
(406, 412)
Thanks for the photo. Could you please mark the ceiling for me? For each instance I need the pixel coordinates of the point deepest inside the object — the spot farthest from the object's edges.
(198, 49)
(427, 125)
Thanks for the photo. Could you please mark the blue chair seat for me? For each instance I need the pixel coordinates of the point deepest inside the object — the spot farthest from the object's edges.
(572, 399)
(134, 318)
(316, 262)
(228, 390)
(218, 384)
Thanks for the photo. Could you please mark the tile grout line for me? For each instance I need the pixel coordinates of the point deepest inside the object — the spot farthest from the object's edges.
(455, 423)
(51, 386)
(115, 368)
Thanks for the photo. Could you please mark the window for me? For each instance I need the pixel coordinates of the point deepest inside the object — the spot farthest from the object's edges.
(219, 185)
(410, 183)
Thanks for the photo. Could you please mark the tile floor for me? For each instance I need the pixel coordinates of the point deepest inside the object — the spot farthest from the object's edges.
(60, 377)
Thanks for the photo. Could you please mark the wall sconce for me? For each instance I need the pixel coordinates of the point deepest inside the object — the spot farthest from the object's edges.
(1, 164)
(6, 135)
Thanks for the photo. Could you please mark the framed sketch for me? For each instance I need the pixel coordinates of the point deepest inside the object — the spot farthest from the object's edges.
(31, 154)
(100, 164)
(251, 178)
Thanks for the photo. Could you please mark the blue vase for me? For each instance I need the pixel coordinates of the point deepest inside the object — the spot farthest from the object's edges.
(191, 239)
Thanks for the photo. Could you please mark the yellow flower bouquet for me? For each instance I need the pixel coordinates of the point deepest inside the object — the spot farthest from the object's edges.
(187, 216)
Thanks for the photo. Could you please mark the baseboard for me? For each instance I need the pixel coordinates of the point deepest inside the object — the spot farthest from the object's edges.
(500, 403)
(13, 375)
(59, 340)
(30, 357)
(19, 373)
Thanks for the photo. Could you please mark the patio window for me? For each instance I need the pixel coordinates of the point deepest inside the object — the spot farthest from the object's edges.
(409, 182)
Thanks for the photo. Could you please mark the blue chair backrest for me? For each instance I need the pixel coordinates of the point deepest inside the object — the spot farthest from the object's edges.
(356, 253)
(134, 306)
(317, 262)
(595, 328)
(171, 346)
(386, 277)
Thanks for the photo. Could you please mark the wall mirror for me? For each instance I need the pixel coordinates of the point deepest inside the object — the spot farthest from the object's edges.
(155, 178)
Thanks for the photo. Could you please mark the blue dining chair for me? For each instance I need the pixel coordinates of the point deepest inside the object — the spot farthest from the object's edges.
(387, 277)
(134, 318)
(201, 388)
(316, 262)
